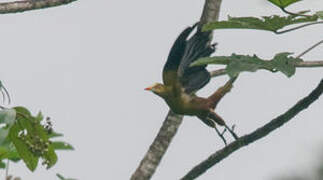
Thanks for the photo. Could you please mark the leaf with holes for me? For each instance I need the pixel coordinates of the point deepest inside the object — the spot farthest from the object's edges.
(239, 63)
(267, 23)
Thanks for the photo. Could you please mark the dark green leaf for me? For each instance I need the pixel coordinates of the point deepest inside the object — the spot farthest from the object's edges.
(23, 149)
(31, 139)
(267, 23)
(283, 3)
(58, 145)
(53, 134)
(2, 165)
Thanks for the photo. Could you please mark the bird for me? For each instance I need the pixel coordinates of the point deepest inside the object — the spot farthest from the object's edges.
(181, 81)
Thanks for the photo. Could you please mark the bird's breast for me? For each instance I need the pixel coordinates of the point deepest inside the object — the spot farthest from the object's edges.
(183, 104)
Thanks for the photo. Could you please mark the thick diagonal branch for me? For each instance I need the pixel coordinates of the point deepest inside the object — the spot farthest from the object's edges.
(21, 6)
(158, 148)
(254, 136)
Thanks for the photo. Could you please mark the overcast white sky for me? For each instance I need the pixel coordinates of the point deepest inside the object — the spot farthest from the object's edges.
(85, 65)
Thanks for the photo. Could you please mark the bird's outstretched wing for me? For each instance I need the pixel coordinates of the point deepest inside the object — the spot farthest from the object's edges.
(175, 55)
(198, 46)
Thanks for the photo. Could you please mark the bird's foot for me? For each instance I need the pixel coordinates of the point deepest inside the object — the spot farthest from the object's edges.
(231, 130)
(221, 135)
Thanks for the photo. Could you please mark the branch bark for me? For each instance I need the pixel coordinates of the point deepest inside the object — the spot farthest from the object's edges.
(21, 6)
(254, 136)
(158, 148)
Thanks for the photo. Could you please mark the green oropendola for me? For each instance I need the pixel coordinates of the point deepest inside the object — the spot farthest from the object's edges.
(182, 81)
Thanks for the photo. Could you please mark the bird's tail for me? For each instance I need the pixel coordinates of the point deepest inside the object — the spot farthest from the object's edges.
(215, 98)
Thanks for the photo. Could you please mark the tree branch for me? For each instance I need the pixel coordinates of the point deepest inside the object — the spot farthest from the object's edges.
(27, 5)
(257, 134)
(158, 148)
(172, 122)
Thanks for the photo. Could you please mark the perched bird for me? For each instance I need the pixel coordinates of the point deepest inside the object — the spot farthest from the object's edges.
(182, 81)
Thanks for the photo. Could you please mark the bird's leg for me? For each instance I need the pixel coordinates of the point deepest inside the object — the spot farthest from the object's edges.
(215, 98)
(214, 118)
(221, 135)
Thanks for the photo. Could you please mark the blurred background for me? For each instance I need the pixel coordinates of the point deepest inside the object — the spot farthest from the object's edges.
(86, 64)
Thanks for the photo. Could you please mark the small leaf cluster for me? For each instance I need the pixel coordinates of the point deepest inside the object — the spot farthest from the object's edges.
(236, 64)
(28, 138)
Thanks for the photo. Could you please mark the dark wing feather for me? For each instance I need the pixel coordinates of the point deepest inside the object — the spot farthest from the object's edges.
(198, 46)
(175, 55)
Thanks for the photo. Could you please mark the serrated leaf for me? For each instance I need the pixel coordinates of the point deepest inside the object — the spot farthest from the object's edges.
(285, 64)
(240, 63)
(283, 3)
(59, 145)
(267, 23)
(245, 63)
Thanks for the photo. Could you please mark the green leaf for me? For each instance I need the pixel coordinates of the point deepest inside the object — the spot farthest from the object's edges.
(53, 134)
(267, 23)
(285, 64)
(30, 159)
(239, 63)
(59, 145)
(62, 178)
(2, 165)
(283, 3)
(31, 139)
(319, 14)
(211, 60)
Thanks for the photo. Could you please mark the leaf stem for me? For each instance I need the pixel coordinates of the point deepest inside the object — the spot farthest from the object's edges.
(293, 14)
(309, 49)
(7, 169)
(298, 27)
(259, 133)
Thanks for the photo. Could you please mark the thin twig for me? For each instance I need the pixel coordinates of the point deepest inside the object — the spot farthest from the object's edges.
(218, 72)
(294, 14)
(298, 27)
(309, 49)
(255, 135)
(7, 169)
(27, 5)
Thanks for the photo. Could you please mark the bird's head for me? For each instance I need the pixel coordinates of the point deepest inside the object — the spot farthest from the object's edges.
(158, 89)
